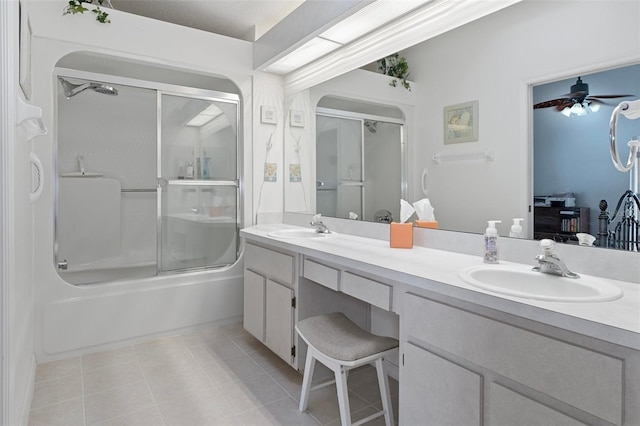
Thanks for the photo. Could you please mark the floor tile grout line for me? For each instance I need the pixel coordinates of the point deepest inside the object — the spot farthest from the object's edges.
(261, 406)
(146, 381)
(84, 406)
(53, 404)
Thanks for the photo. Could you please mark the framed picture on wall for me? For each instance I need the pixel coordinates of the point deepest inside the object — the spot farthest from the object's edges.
(461, 123)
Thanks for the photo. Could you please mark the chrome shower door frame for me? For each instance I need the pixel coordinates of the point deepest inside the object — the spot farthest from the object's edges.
(160, 88)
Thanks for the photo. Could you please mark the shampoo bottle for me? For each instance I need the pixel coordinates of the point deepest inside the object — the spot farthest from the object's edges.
(491, 242)
(516, 229)
(205, 166)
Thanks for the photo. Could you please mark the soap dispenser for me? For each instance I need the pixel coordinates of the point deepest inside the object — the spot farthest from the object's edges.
(516, 229)
(491, 242)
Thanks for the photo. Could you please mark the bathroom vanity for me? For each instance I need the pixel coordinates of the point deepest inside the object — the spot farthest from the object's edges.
(467, 356)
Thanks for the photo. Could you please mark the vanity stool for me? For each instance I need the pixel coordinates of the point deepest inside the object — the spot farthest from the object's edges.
(341, 345)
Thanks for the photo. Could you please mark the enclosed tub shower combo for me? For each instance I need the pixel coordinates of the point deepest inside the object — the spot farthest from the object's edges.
(147, 178)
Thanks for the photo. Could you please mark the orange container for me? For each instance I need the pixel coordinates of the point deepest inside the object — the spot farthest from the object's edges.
(427, 224)
(401, 235)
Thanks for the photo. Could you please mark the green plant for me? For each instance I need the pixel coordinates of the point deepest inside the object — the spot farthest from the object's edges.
(395, 66)
(77, 6)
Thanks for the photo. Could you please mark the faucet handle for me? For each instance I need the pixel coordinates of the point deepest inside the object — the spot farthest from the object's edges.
(547, 247)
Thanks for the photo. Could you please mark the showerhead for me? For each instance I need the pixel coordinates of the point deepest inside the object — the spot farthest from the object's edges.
(371, 125)
(104, 89)
(70, 89)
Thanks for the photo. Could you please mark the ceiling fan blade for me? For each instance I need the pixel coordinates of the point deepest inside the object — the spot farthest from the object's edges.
(551, 103)
(576, 95)
(568, 103)
(608, 96)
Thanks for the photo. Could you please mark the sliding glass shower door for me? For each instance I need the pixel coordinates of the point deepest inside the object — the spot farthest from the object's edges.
(146, 179)
(198, 200)
(339, 171)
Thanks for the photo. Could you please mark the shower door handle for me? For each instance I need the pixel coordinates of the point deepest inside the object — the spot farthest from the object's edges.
(161, 183)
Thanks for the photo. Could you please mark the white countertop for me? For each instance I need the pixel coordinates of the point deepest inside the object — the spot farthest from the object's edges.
(616, 321)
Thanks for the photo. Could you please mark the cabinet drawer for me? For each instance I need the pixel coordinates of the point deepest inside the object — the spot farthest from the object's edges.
(370, 291)
(511, 408)
(321, 274)
(588, 380)
(271, 263)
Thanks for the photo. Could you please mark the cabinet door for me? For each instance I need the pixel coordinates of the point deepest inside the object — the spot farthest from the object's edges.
(254, 287)
(435, 391)
(279, 320)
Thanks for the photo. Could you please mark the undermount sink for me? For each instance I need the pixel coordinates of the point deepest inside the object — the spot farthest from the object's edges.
(296, 233)
(521, 281)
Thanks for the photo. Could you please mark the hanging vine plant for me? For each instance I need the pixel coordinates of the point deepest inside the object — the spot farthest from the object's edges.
(77, 6)
(395, 66)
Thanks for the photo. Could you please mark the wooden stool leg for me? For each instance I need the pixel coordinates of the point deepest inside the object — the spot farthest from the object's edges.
(343, 395)
(385, 395)
(309, 366)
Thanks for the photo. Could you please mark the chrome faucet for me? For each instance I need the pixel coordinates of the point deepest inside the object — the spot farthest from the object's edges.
(321, 228)
(550, 263)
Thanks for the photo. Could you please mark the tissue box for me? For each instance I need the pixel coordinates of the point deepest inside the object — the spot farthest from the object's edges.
(401, 235)
(433, 224)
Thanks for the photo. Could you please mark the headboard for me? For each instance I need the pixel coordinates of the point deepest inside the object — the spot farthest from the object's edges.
(622, 229)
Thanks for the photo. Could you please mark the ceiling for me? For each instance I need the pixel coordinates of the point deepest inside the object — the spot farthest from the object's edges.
(241, 19)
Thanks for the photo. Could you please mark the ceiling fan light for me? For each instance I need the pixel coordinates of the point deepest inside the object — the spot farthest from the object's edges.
(594, 107)
(577, 109)
(566, 112)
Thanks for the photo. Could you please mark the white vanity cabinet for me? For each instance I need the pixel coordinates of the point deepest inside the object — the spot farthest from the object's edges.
(467, 367)
(466, 358)
(269, 298)
(278, 293)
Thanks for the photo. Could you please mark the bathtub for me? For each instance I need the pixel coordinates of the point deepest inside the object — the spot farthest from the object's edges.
(107, 274)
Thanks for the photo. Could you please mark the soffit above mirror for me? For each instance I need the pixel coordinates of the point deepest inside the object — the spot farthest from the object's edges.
(362, 107)
(426, 20)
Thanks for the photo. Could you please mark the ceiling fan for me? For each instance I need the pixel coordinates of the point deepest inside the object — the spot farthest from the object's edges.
(578, 98)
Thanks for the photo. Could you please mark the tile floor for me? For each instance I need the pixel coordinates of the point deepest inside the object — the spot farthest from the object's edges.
(214, 376)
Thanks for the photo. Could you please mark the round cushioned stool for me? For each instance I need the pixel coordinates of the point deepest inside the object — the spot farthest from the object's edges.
(341, 345)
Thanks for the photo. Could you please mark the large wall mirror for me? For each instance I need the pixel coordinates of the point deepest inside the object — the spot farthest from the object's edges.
(505, 62)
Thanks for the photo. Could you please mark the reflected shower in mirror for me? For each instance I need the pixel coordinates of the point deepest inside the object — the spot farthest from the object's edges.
(359, 170)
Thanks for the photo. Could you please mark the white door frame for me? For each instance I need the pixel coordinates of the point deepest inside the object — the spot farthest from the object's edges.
(9, 17)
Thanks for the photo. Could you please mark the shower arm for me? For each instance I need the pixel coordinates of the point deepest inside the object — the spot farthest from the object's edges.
(631, 110)
(74, 91)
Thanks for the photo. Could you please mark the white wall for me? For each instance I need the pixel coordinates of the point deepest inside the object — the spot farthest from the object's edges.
(71, 319)
(493, 60)
(268, 144)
